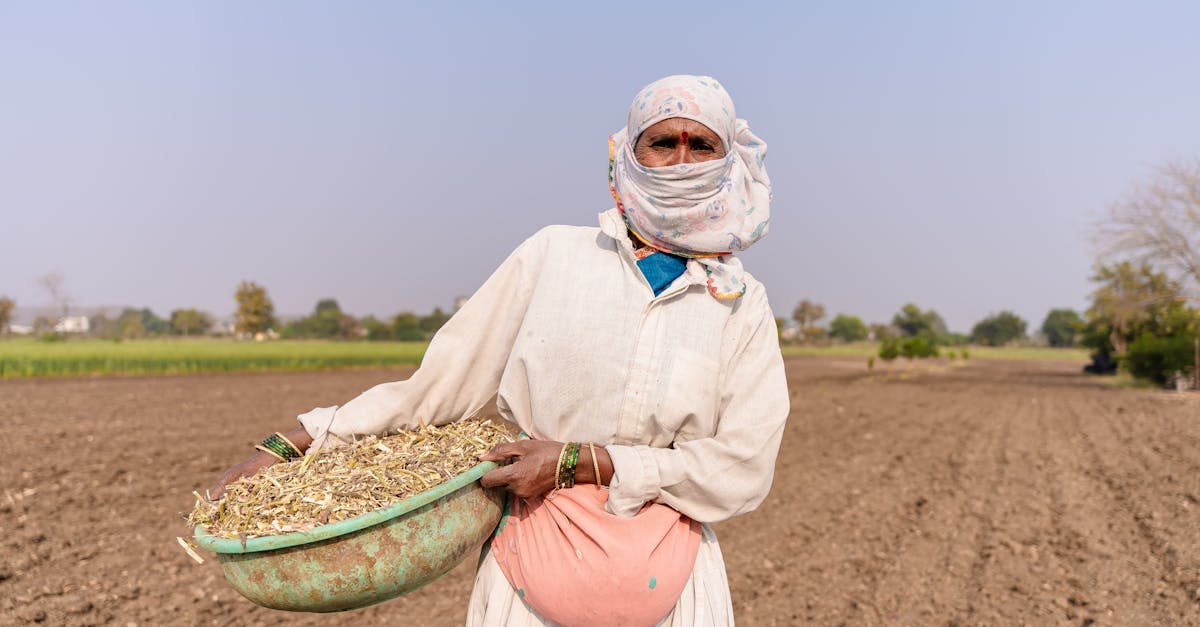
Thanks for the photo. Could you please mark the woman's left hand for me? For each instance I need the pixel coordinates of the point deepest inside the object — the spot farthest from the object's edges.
(531, 472)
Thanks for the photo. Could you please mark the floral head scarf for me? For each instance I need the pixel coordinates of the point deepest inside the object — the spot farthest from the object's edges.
(708, 210)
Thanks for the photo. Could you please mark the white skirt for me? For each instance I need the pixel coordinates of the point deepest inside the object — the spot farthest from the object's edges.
(705, 600)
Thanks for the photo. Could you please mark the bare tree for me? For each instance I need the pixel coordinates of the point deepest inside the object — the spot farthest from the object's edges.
(1158, 222)
(806, 314)
(53, 284)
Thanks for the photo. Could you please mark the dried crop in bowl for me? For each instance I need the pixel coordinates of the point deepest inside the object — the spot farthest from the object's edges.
(340, 483)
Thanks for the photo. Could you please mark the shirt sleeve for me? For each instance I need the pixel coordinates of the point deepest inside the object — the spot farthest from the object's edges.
(461, 369)
(719, 477)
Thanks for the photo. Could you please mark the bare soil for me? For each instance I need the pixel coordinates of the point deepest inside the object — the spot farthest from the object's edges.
(997, 493)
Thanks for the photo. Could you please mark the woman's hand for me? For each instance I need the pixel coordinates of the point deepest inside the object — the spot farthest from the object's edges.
(531, 472)
(534, 464)
(245, 468)
(260, 460)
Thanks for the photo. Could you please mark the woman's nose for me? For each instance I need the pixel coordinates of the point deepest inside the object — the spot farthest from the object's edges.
(682, 154)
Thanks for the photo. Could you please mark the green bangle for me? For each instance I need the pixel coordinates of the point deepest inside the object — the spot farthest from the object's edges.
(566, 475)
(281, 446)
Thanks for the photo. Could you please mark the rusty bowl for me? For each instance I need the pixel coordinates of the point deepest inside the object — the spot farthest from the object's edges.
(367, 559)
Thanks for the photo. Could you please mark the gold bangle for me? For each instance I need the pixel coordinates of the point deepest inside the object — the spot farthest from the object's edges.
(558, 472)
(270, 452)
(595, 465)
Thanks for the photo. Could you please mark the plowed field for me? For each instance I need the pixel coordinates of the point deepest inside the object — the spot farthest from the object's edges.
(995, 493)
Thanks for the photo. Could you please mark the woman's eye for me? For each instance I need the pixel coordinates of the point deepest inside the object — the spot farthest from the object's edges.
(701, 146)
(663, 143)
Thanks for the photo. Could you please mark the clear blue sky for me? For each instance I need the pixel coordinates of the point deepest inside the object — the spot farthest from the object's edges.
(953, 154)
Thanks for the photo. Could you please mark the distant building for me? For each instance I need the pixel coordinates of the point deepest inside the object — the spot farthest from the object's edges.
(73, 324)
(20, 329)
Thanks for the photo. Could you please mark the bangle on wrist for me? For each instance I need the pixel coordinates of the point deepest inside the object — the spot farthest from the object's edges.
(281, 447)
(568, 460)
(595, 465)
(269, 452)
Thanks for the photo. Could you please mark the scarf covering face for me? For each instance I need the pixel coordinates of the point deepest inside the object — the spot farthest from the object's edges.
(705, 211)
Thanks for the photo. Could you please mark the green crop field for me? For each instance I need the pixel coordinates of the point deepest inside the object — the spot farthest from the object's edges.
(32, 358)
(866, 349)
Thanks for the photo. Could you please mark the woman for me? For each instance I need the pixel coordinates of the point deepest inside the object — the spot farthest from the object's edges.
(641, 347)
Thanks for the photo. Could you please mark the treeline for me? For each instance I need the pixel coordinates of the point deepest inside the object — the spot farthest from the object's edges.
(256, 316)
(1060, 328)
(328, 321)
(255, 319)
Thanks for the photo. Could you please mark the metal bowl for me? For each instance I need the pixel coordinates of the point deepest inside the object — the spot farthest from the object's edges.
(367, 559)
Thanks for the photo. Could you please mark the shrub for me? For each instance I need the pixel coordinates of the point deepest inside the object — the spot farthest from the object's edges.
(998, 329)
(848, 328)
(889, 349)
(918, 347)
(1159, 358)
(1062, 327)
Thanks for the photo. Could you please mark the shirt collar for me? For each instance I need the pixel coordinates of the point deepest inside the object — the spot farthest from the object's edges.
(612, 224)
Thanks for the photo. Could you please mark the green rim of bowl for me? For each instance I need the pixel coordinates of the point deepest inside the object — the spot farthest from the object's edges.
(341, 528)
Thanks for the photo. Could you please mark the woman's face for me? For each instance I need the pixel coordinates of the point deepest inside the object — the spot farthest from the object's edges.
(677, 140)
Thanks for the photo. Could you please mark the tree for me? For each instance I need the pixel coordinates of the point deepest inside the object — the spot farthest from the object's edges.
(326, 319)
(188, 322)
(913, 322)
(1061, 326)
(1129, 301)
(848, 328)
(1158, 222)
(327, 305)
(406, 327)
(53, 284)
(139, 323)
(806, 314)
(348, 328)
(434, 321)
(255, 311)
(376, 329)
(102, 326)
(7, 305)
(130, 325)
(882, 332)
(43, 325)
(998, 329)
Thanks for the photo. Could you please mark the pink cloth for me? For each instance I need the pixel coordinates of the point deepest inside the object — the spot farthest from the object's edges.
(576, 564)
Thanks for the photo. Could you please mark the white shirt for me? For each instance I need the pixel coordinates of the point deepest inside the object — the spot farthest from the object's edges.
(686, 391)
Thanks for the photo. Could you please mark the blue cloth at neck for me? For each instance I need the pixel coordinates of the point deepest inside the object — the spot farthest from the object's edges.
(660, 269)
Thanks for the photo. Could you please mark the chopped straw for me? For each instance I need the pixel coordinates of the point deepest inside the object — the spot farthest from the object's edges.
(190, 551)
(341, 483)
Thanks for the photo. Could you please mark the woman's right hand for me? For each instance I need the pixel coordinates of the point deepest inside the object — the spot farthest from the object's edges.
(245, 468)
(298, 437)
